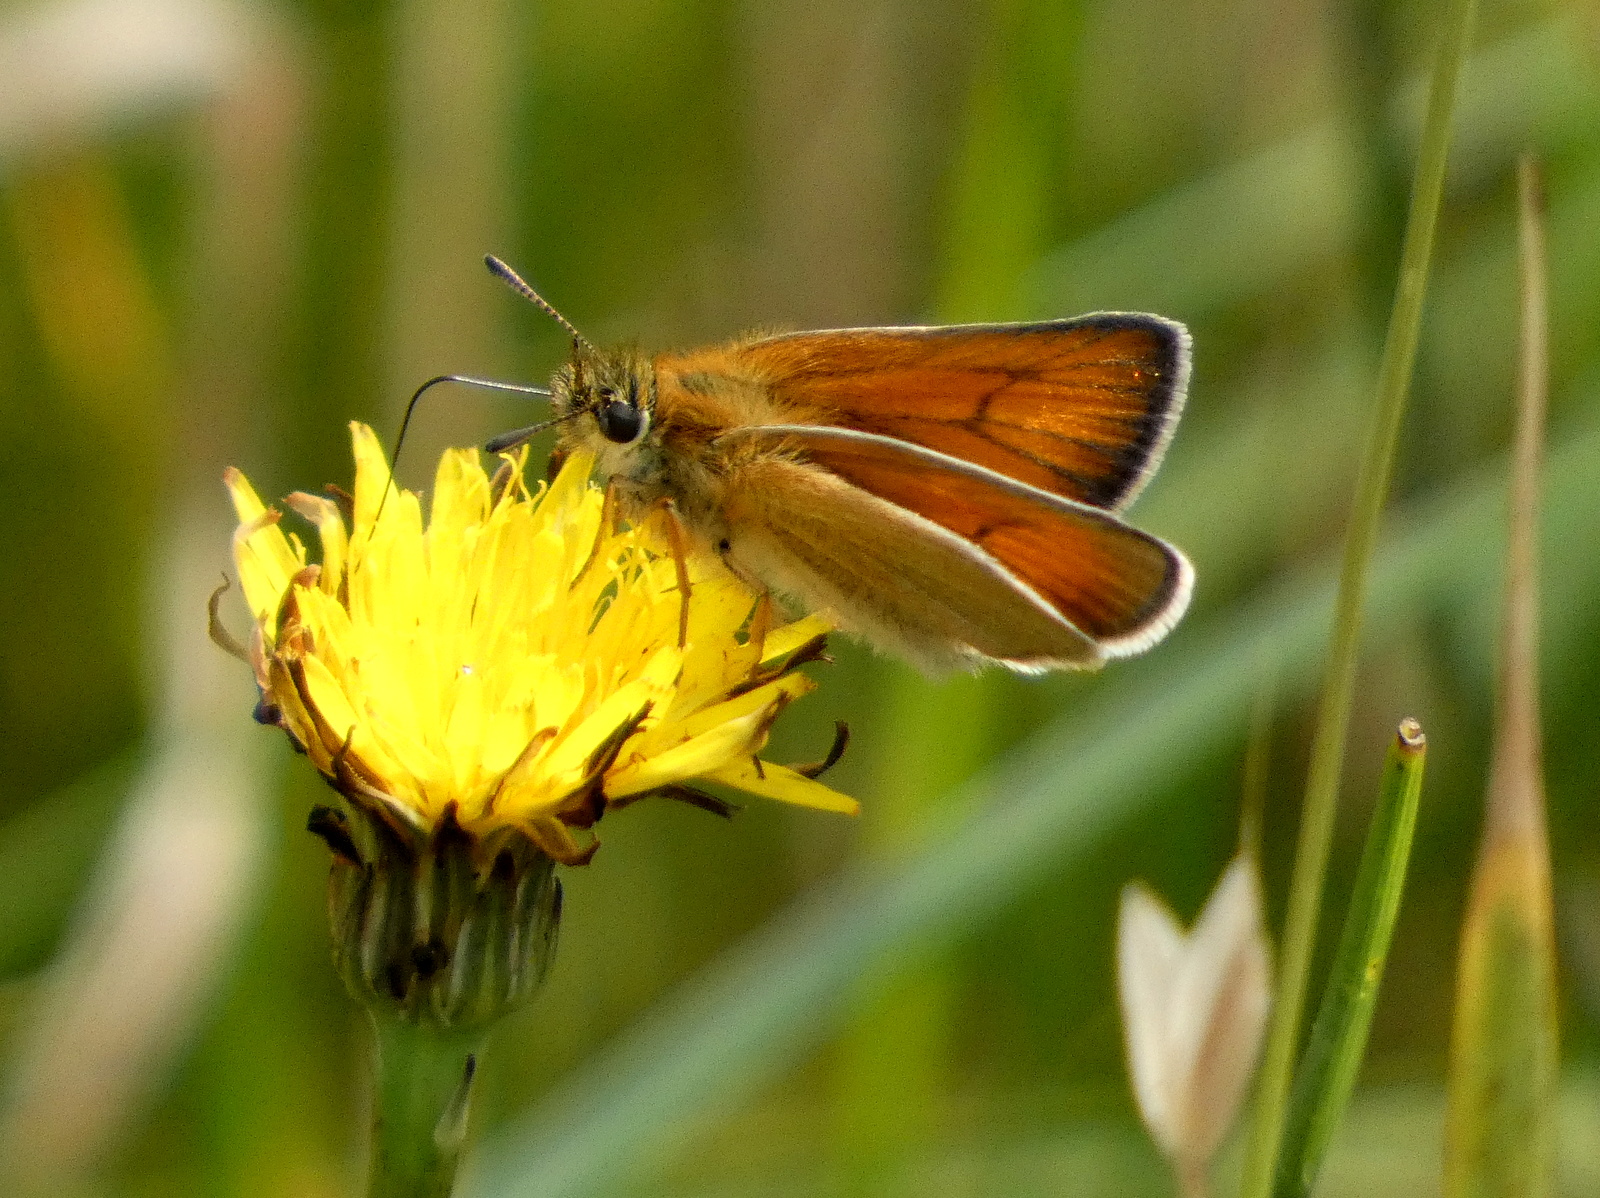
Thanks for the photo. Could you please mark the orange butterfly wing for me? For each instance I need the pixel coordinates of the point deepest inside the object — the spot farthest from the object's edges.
(1121, 587)
(1082, 408)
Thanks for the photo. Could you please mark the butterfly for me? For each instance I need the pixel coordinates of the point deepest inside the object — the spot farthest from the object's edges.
(951, 494)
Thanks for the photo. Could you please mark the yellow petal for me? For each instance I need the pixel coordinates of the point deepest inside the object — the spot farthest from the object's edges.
(372, 479)
(781, 783)
(791, 686)
(785, 640)
(460, 501)
(324, 693)
(261, 553)
(324, 513)
(567, 759)
(565, 497)
(693, 758)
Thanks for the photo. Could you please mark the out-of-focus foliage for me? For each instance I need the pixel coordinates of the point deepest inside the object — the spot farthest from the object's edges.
(1505, 1059)
(227, 235)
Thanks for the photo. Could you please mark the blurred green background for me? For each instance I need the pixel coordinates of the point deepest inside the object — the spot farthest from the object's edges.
(227, 229)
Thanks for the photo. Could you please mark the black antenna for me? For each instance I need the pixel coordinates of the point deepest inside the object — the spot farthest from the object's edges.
(466, 380)
(518, 436)
(516, 282)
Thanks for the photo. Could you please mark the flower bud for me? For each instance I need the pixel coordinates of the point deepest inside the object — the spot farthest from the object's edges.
(1194, 1009)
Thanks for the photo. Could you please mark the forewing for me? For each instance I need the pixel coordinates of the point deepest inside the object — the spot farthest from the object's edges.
(1118, 586)
(1082, 408)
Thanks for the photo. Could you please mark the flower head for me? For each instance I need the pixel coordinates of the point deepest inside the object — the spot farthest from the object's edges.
(514, 662)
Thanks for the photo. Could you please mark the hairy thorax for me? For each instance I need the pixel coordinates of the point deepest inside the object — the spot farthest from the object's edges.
(685, 454)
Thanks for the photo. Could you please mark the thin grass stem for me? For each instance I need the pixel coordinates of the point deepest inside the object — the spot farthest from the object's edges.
(1377, 467)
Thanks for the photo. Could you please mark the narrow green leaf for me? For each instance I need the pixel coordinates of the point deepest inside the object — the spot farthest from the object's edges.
(1338, 686)
(1332, 1058)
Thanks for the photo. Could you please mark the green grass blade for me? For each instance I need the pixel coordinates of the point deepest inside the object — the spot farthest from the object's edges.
(1504, 1062)
(1372, 486)
(1332, 1058)
(1038, 812)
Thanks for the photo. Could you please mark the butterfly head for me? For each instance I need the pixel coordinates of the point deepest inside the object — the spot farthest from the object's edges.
(605, 403)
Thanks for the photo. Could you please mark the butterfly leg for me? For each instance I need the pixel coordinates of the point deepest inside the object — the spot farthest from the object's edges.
(677, 539)
(761, 623)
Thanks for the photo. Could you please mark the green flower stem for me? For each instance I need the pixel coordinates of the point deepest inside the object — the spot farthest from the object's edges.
(439, 935)
(421, 1092)
(1372, 486)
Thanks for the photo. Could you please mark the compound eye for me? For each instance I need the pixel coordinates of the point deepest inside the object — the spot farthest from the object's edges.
(619, 421)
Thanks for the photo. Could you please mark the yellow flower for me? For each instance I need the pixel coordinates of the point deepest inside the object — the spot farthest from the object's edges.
(516, 662)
